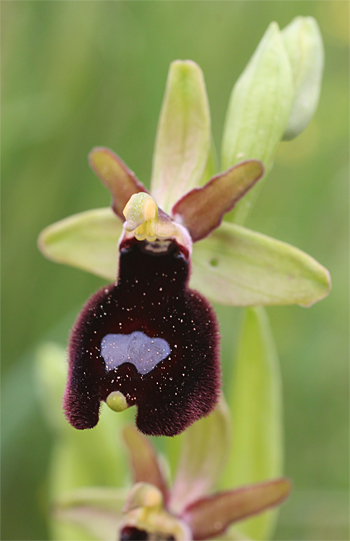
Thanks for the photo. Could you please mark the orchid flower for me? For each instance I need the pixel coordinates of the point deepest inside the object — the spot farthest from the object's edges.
(151, 339)
(189, 510)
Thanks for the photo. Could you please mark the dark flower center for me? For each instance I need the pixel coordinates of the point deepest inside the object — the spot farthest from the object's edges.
(129, 533)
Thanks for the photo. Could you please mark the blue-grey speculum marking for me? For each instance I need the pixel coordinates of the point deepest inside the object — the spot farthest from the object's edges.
(136, 348)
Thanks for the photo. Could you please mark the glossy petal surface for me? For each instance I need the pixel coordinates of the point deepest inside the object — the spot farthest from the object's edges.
(303, 41)
(202, 209)
(183, 136)
(211, 516)
(88, 241)
(144, 461)
(256, 406)
(116, 176)
(203, 456)
(151, 297)
(238, 267)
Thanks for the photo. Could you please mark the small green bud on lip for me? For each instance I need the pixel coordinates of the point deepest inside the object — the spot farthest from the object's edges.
(117, 401)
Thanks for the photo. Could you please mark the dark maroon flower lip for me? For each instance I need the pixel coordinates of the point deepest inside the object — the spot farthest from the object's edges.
(150, 339)
(130, 533)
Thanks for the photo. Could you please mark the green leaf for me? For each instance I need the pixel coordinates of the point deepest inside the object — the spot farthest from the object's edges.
(183, 136)
(116, 176)
(205, 446)
(209, 517)
(202, 209)
(303, 42)
(259, 110)
(256, 408)
(238, 267)
(88, 241)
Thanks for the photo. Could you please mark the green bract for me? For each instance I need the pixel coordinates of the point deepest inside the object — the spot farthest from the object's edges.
(260, 104)
(303, 42)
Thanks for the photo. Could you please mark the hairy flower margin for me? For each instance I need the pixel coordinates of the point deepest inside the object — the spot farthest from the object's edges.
(148, 339)
(188, 511)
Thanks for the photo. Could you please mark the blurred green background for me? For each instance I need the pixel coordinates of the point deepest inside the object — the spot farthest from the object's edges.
(88, 73)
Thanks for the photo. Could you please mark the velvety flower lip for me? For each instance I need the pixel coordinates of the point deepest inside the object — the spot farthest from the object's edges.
(150, 304)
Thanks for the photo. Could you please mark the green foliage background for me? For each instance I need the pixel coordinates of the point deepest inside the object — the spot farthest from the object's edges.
(77, 74)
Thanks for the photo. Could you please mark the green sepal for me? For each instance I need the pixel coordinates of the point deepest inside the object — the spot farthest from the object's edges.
(88, 241)
(239, 267)
(303, 42)
(96, 512)
(183, 136)
(256, 407)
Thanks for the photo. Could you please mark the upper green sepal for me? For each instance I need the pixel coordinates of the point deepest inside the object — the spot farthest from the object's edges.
(183, 138)
(303, 43)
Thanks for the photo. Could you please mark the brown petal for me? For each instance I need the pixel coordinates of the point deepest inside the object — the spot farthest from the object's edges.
(116, 176)
(211, 516)
(144, 462)
(201, 210)
(204, 451)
